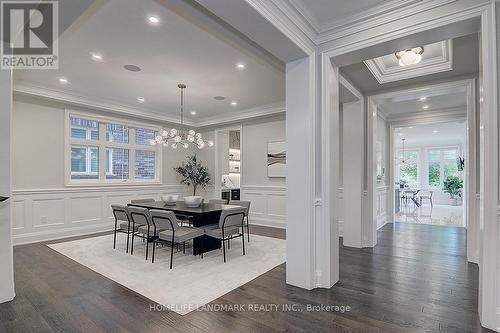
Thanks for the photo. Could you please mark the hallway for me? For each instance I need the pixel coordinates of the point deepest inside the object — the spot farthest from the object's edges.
(416, 279)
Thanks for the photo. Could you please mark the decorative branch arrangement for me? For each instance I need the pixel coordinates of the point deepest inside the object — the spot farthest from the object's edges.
(194, 173)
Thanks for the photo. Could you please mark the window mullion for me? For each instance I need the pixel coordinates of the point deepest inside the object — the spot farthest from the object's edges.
(102, 152)
(132, 150)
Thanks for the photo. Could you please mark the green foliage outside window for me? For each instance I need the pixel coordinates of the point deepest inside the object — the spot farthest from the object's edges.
(408, 173)
(434, 174)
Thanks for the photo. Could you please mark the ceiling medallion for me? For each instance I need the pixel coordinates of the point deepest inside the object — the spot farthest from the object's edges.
(181, 137)
(410, 56)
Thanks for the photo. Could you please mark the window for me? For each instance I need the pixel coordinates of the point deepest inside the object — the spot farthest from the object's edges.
(109, 151)
(442, 162)
(408, 171)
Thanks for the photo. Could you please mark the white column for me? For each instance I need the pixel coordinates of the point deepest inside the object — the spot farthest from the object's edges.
(353, 173)
(6, 265)
(300, 190)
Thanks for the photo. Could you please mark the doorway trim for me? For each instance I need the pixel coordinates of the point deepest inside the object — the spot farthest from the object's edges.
(489, 311)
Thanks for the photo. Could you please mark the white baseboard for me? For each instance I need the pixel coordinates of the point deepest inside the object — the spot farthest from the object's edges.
(267, 222)
(42, 236)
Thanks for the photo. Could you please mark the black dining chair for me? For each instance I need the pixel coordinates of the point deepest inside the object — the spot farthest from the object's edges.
(146, 230)
(121, 215)
(171, 232)
(231, 219)
(245, 204)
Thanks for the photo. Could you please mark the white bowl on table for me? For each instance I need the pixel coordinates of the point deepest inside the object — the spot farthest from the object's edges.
(170, 199)
(193, 201)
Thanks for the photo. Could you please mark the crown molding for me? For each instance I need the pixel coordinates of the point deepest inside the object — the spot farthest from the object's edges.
(365, 20)
(28, 89)
(434, 116)
(253, 113)
(425, 67)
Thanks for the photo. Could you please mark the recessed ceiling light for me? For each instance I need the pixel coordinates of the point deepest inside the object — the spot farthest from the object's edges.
(193, 113)
(423, 98)
(96, 57)
(425, 107)
(219, 98)
(153, 19)
(435, 131)
(63, 80)
(140, 99)
(132, 68)
(240, 66)
(234, 103)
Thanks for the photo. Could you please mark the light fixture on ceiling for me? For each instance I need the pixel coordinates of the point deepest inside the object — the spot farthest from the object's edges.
(96, 57)
(423, 98)
(435, 131)
(234, 103)
(410, 56)
(63, 80)
(181, 137)
(240, 66)
(193, 113)
(141, 99)
(425, 107)
(153, 19)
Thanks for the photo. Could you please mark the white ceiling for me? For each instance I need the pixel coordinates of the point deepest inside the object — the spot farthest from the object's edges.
(431, 135)
(178, 49)
(322, 13)
(435, 101)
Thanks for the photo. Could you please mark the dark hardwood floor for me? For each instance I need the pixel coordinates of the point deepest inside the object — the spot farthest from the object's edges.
(416, 279)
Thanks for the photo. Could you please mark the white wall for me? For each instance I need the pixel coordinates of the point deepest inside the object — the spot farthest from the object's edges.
(6, 262)
(266, 194)
(43, 208)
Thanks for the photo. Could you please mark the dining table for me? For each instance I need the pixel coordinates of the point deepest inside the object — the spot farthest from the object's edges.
(203, 215)
(412, 194)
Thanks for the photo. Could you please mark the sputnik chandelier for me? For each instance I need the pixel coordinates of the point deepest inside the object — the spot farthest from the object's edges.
(181, 137)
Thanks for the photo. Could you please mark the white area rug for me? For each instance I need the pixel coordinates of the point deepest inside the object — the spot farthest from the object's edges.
(193, 282)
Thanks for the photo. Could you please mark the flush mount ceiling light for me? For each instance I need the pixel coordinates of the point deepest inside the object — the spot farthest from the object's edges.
(63, 80)
(96, 57)
(234, 103)
(193, 113)
(423, 98)
(425, 107)
(181, 137)
(240, 66)
(141, 99)
(410, 56)
(153, 20)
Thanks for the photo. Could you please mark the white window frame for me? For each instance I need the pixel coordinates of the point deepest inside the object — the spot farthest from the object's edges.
(417, 161)
(102, 145)
(441, 165)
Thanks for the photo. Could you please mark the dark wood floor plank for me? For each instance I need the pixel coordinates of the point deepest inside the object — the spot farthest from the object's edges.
(416, 279)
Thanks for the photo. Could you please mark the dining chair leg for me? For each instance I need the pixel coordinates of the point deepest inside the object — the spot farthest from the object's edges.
(114, 238)
(243, 239)
(248, 230)
(132, 244)
(128, 236)
(228, 244)
(223, 245)
(184, 247)
(172, 253)
(147, 244)
(153, 254)
(202, 246)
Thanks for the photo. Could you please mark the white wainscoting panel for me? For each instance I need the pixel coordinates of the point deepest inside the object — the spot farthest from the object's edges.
(382, 195)
(268, 205)
(46, 214)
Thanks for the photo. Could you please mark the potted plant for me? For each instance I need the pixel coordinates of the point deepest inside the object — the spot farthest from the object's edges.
(453, 185)
(194, 173)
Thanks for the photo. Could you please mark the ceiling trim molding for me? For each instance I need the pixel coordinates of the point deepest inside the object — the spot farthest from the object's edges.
(364, 20)
(277, 16)
(32, 90)
(428, 66)
(29, 89)
(430, 116)
(253, 113)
